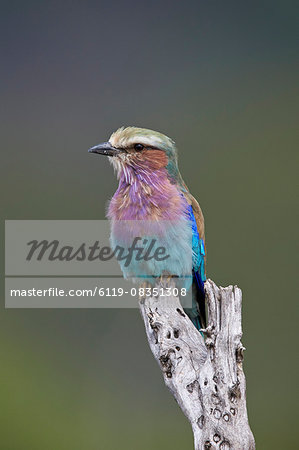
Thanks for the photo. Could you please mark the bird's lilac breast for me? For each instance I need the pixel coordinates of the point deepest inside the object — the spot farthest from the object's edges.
(154, 212)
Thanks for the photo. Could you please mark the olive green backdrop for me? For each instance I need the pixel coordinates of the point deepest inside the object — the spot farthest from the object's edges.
(220, 79)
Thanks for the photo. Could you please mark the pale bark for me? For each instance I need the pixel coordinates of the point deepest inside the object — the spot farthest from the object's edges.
(205, 375)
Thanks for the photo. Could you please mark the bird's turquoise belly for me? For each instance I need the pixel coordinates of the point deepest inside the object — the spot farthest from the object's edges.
(164, 247)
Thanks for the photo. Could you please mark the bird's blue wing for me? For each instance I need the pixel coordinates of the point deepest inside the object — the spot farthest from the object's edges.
(197, 311)
(198, 248)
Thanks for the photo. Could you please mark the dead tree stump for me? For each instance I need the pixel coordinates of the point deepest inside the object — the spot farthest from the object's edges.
(205, 375)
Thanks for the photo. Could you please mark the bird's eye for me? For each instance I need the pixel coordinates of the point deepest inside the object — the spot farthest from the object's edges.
(138, 147)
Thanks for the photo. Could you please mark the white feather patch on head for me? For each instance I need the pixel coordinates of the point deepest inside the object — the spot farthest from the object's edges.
(127, 137)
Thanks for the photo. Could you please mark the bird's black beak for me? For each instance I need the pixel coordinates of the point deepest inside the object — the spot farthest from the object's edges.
(105, 149)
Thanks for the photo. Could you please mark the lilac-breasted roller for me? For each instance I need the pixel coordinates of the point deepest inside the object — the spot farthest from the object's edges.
(152, 190)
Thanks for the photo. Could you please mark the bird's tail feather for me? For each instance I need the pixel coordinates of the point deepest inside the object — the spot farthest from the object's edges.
(196, 322)
(197, 313)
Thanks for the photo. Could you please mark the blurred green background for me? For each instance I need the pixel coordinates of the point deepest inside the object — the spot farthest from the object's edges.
(220, 79)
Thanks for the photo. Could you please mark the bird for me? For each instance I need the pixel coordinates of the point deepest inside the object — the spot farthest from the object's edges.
(151, 191)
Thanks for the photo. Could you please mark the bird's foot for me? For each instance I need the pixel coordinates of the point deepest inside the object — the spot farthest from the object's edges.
(145, 290)
(166, 280)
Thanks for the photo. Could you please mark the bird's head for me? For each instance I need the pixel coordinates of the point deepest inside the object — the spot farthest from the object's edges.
(139, 150)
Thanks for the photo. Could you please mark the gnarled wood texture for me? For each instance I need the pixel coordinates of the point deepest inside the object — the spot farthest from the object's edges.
(204, 375)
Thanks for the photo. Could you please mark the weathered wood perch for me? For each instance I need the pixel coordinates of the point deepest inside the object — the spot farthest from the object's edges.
(204, 375)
